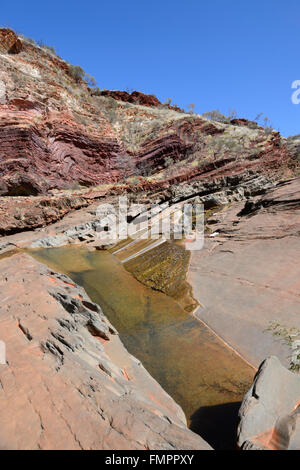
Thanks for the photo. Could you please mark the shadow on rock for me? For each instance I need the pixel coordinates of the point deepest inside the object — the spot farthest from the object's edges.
(217, 425)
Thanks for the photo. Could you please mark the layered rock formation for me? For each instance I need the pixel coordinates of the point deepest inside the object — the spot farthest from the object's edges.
(9, 41)
(18, 214)
(56, 132)
(134, 97)
(68, 382)
(63, 147)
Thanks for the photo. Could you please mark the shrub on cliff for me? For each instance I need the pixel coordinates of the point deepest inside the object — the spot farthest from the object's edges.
(27, 39)
(215, 115)
(39, 43)
(47, 48)
(89, 80)
(107, 106)
(169, 162)
(78, 74)
(266, 123)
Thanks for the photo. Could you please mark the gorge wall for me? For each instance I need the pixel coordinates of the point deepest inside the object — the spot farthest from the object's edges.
(65, 146)
(58, 133)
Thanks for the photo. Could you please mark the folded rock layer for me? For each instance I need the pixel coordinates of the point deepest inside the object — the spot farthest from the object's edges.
(58, 133)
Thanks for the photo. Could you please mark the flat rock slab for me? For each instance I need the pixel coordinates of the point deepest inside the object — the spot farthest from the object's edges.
(68, 382)
(270, 412)
(247, 277)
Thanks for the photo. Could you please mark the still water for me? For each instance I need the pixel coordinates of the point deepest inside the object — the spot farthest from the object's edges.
(190, 363)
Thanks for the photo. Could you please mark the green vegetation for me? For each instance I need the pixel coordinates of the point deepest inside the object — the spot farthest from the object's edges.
(290, 337)
(164, 269)
(169, 162)
(265, 122)
(107, 106)
(259, 120)
(39, 43)
(215, 115)
(75, 71)
(79, 75)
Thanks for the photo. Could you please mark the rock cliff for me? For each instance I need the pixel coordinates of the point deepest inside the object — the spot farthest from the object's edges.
(58, 133)
(66, 145)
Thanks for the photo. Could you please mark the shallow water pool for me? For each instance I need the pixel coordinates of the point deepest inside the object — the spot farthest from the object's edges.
(189, 361)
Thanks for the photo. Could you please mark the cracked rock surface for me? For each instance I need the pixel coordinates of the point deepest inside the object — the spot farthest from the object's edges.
(68, 381)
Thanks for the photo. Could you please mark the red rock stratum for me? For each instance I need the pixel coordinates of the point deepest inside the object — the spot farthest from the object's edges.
(57, 133)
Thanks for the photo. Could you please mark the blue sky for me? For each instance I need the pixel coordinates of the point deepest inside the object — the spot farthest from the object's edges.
(224, 54)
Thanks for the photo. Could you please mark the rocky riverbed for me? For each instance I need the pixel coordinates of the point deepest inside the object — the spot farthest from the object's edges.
(68, 378)
(240, 230)
(68, 381)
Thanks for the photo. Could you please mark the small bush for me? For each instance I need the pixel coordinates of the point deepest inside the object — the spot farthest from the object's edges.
(25, 38)
(107, 106)
(50, 49)
(96, 91)
(169, 162)
(79, 75)
(76, 72)
(134, 180)
(89, 80)
(190, 109)
(215, 115)
(266, 123)
(166, 103)
(291, 337)
(39, 43)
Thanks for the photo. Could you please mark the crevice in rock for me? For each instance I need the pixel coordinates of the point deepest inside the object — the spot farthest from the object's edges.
(25, 331)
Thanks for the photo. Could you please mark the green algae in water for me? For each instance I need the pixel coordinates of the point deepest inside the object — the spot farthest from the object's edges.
(163, 268)
(8, 254)
(190, 363)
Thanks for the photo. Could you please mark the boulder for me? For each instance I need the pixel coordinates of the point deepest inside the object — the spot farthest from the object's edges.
(135, 97)
(270, 412)
(9, 41)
